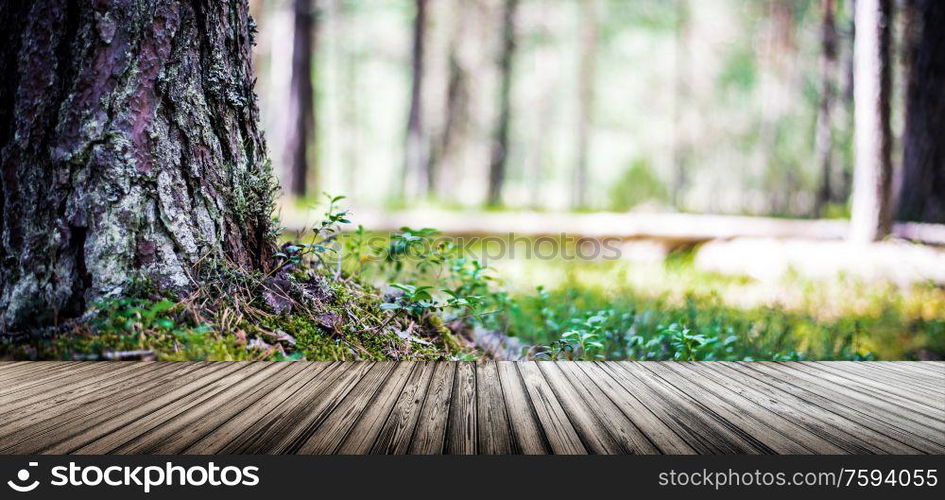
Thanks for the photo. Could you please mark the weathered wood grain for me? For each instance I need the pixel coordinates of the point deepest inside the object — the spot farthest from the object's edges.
(626, 434)
(562, 438)
(320, 426)
(495, 434)
(394, 438)
(860, 416)
(430, 433)
(339, 412)
(461, 430)
(527, 435)
(782, 436)
(483, 407)
(173, 436)
(67, 431)
(802, 411)
(360, 438)
(657, 431)
(911, 418)
(706, 432)
(263, 412)
(593, 433)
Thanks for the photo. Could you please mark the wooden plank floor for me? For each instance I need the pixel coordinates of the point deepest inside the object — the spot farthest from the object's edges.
(472, 408)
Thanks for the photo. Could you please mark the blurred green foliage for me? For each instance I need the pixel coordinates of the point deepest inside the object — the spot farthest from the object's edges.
(638, 184)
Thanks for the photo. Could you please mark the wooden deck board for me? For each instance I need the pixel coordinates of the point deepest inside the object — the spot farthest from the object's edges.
(256, 417)
(593, 432)
(394, 438)
(782, 435)
(343, 400)
(702, 426)
(562, 438)
(629, 437)
(494, 431)
(462, 429)
(472, 407)
(859, 416)
(264, 428)
(912, 417)
(430, 432)
(66, 431)
(900, 387)
(340, 410)
(802, 410)
(526, 433)
(175, 435)
(361, 438)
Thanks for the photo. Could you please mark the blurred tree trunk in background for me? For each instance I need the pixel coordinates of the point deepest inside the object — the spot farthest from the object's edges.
(922, 197)
(299, 157)
(824, 131)
(129, 148)
(682, 141)
(779, 58)
(350, 42)
(416, 175)
(842, 188)
(500, 143)
(586, 82)
(871, 216)
(445, 151)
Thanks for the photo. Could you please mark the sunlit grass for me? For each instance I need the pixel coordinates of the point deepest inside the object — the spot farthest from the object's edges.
(820, 318)
(736, 317)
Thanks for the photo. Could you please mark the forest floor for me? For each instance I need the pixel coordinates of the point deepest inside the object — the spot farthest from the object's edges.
(416, 294)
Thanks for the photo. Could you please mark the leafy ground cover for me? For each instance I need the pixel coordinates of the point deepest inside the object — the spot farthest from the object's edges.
(416, 295)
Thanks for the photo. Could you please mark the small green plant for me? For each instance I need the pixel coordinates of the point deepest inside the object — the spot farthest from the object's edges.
(687, 345)
(418, 248)
(323, 243)
(583, 341)
(416, 300)
(134, 315)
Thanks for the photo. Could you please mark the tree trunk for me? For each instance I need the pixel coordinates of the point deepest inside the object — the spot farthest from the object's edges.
(500, 143)
(586, 78)
(346, 31)
(841, 185)
(300, 111)
(446, 149)
(922, 197)
(130, 148)
(824, 131)
(871, 212)
(682, 126)
(415, 176)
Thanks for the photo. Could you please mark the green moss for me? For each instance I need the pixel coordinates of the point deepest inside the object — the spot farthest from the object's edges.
(233, 318)
(130, 327)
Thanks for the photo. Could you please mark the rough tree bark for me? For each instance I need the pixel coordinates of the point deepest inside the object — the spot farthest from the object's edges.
(300, 111)
(415, 167)
(823, 141)
(871, 216)
(922, 197)
(130, 148)
(500, 141)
